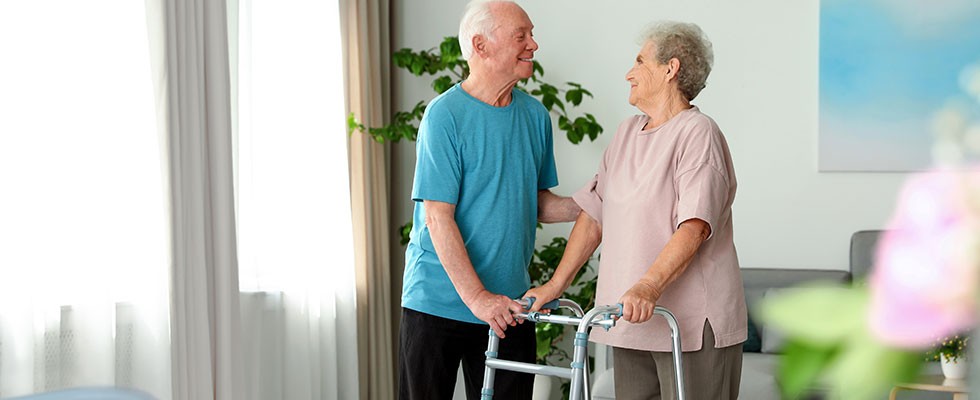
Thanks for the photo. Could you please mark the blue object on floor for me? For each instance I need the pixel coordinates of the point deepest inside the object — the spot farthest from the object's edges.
(93, 393)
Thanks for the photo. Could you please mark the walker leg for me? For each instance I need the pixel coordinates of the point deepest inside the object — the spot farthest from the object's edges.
(488, 373)
(579, 371)
(675, 335)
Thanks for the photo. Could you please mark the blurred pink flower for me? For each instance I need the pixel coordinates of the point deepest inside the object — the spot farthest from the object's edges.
(924, 283)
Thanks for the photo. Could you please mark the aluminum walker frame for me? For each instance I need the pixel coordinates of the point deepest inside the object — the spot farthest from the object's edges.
(578, 373)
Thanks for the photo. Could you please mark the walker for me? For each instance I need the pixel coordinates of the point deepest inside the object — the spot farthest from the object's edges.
(578, 372)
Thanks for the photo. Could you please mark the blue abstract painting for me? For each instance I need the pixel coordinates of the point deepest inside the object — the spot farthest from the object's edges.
(888, 70)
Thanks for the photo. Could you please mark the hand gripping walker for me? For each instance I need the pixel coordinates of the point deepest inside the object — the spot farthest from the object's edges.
(601, 316)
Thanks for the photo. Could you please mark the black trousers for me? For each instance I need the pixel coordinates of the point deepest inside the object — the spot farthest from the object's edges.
(431, 348)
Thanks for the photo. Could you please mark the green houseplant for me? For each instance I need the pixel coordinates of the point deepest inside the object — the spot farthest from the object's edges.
(950, 348)
(448, 67)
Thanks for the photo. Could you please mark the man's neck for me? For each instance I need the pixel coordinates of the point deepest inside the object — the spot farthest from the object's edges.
(494, 92)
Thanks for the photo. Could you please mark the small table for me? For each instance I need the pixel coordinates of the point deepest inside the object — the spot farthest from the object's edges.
(935, 383)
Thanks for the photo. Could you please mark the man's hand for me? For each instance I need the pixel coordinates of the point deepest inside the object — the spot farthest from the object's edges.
(639, 302)
(543, 294)
(494, 309)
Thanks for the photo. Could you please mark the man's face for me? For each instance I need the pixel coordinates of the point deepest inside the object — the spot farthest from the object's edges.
(512, 48)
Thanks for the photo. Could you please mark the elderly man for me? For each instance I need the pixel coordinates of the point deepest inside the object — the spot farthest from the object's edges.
(485, 164)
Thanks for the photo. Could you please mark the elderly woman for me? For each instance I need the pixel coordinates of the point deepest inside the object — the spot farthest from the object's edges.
(662, 204)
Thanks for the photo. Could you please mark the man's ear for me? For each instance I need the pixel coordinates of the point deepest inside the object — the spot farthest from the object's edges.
(479, 45)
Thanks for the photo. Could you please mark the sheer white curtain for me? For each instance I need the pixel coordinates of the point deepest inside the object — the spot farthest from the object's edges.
(83, 218)
(294, 222)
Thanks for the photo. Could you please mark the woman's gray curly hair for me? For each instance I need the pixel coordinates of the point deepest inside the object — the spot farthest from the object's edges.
(688, 44)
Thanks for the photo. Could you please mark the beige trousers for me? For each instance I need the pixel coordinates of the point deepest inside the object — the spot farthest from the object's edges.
(710, 373)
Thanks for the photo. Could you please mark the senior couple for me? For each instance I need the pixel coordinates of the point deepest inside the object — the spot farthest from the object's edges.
(660, 203)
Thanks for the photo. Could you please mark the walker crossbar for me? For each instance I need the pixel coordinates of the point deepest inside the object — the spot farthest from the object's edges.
(578, 373)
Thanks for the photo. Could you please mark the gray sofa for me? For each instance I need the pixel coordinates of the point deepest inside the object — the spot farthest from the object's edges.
(761, 351)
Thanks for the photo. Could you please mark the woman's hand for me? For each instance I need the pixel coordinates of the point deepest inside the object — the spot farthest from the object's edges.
(542, 295)
(639, 301)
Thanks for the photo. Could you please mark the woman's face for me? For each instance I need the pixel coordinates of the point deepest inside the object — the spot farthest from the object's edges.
(648, 78)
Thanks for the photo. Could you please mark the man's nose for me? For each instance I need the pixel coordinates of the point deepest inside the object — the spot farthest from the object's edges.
(532, 44)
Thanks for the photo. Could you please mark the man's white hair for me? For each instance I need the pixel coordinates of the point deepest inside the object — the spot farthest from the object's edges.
(477, 20)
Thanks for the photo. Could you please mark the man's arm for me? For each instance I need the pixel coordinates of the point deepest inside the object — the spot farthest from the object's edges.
(493, 309)
(640, 300)
(554, 208)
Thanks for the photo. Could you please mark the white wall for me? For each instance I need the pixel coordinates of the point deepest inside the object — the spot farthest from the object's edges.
(762, 92)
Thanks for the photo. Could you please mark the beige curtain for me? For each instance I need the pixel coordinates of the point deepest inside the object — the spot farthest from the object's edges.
(366, 50)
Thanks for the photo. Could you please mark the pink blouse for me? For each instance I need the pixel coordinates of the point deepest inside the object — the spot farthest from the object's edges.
(649, 182)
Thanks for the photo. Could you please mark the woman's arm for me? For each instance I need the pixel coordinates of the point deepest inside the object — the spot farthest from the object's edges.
(585, 238)
(640, 300)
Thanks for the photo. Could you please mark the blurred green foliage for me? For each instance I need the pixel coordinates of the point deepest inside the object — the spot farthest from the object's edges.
(829, 348)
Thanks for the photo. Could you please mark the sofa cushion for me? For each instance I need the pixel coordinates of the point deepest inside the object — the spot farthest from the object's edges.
(863, 246)
(752, 344)
(758, 381)
(772, 339)
(604, 385)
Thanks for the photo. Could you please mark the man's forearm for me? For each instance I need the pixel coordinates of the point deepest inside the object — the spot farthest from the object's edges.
(553, 208)
(452, 253)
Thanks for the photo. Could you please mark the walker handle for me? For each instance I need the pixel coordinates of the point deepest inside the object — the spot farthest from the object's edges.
(551, 305)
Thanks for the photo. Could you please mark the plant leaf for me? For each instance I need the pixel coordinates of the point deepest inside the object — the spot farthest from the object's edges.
(442, 84)
(801, 365)
(820, 315)
(574, 97)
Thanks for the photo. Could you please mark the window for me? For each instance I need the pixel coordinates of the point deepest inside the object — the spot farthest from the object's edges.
(83, 234)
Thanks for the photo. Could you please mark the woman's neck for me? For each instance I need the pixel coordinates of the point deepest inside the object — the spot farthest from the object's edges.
(663, 110)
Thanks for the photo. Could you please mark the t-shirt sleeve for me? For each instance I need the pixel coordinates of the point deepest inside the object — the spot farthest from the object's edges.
(589, 197)
(548, 173)
(702, 194)
(702, 183)
(438, 170)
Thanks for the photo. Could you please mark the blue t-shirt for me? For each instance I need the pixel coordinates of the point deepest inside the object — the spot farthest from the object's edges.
(490, 162)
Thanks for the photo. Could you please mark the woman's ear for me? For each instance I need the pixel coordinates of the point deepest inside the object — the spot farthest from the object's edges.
(673, 66)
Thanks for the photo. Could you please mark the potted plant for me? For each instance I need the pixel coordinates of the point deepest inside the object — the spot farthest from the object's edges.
(951, 353)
